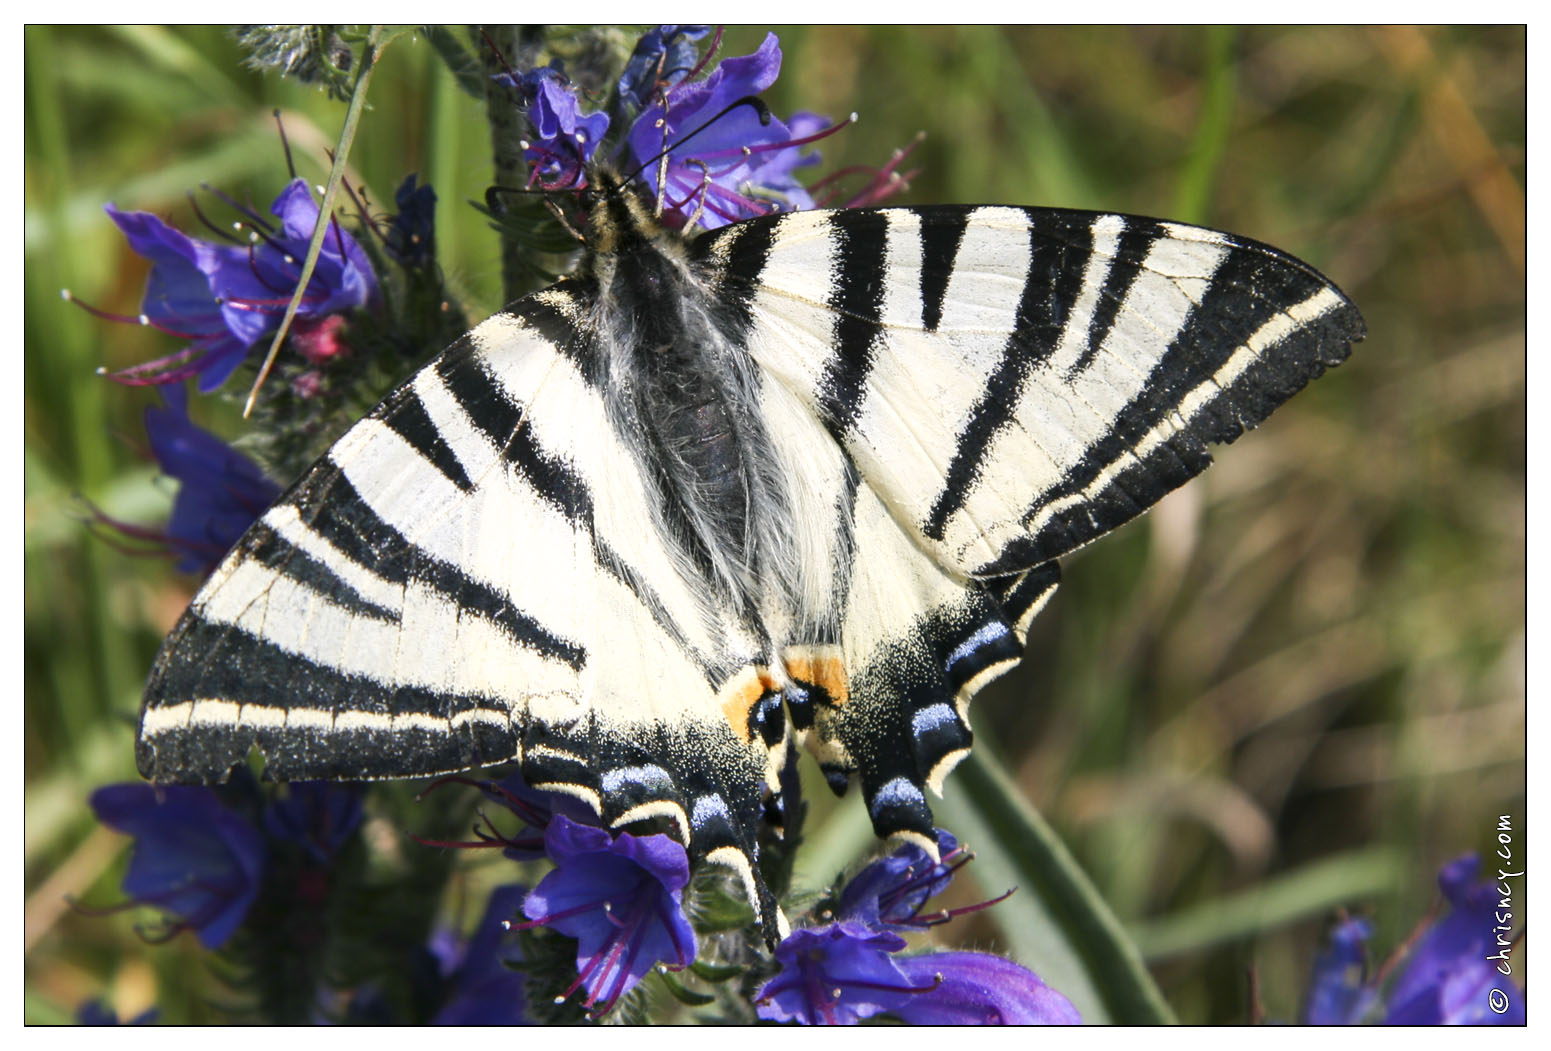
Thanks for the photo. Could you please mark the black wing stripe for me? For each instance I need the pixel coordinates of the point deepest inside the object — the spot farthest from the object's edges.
(487, 406)
(481, 399)
(942, 232)
(1135, 241)
(410, 421)
(1023, 594)
(312, 719)
(356, 529)
(552, 315)
(1249, 290)
(857, 300)
(1060, 246)
(615, 566)
(745, 247)
(263, 545)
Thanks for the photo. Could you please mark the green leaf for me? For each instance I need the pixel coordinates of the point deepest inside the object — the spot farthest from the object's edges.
(681, 994)
(1193, 195)
(713, 972)
(1308, 891)
(1057, 924)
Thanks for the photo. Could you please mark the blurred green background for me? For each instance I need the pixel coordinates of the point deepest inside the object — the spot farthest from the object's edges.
(1297, 685)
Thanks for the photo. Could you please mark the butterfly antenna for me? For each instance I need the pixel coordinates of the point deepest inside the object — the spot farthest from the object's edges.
(754, 101)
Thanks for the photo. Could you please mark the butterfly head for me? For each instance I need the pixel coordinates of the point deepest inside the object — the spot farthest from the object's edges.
(619, 212)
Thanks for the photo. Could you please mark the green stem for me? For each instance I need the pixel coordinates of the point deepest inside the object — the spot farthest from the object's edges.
(1192, 201)
(1081, 948)
(499, 47)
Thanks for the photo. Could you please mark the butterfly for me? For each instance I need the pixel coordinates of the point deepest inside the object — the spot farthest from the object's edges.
(804, 479)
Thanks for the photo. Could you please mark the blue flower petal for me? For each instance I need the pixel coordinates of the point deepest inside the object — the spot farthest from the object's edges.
(99, 1012)
(411, 235)
(837, 974)
(342, 279)
(220, 493)
(749, 164)
(192, 856)
(483, 990)
(318, 815)
(1448, 979)
(977, 988)
(892, 889)
(565, 137)
(669, 49)
(1338, 994)
(620, 898)
(225, 298)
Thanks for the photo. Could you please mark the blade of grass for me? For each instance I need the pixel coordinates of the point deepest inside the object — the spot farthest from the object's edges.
(1192, 197)
(443, 149)
(1057, 923)
(170, 52)
(67, 385)
(1315, 888)
(248, 150)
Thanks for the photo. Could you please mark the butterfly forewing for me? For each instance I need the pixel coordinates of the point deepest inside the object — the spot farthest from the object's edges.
(1015, 382)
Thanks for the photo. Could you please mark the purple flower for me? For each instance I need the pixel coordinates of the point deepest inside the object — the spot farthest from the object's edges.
(220, 491)
(977, 988)
(841, 973)
(535, 808)
(482, 989)
(224, 298)
(411, 236)
(192, 857)
(837, 974)
(621, 899)
(1449, 977)
(662, 57)
(342, 279)
(316, 815)
(1339, 993)
(725, 165)
(99, 1012)
(565, 138)
(891, 891)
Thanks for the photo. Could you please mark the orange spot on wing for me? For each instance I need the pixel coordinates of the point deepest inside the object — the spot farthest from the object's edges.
(821, 667)
(741, 693)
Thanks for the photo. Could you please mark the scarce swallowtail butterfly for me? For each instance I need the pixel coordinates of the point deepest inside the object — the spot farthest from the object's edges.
(803, 479)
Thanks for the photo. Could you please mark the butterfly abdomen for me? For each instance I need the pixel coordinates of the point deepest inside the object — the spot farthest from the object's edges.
(684, 394)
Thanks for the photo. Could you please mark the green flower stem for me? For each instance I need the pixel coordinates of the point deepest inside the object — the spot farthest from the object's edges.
(501, 47)
(1067, 933)
(1193, 195)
